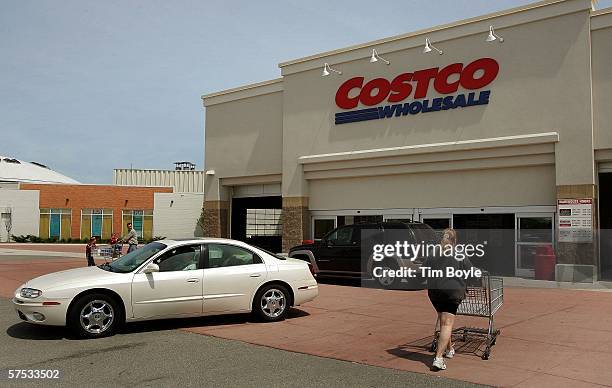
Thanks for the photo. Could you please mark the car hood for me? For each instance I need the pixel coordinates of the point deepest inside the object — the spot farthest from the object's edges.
(75, 276)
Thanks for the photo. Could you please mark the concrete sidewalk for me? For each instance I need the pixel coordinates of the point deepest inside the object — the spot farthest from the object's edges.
(548, 336)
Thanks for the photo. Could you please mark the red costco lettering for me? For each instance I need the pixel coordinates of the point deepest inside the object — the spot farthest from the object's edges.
(342, 95)
(475, 75)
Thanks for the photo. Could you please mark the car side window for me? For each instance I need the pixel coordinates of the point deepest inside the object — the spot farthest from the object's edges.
(222, 255)
(183, 258)
(342, 236)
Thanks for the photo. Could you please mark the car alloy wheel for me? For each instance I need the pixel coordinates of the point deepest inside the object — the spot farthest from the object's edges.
(97, 316)
(273, 303)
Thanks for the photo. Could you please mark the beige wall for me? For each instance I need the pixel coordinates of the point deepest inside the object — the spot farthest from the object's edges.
(602, 80)
(543, 85)
(525, 185)
(175, 215)
(243, 138)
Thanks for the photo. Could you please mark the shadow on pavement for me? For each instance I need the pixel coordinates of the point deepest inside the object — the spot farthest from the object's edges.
(184, 323)
(23, 330)
(28, 331)
(420, 349)
(367, 283)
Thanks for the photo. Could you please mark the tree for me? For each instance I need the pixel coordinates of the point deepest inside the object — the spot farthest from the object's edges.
(8, 222)
(199, 232)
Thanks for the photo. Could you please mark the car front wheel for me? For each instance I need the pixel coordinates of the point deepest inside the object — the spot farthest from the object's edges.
(271, 303)
(94, 316)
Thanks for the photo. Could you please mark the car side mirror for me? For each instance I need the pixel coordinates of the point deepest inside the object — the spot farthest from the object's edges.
(151, 267)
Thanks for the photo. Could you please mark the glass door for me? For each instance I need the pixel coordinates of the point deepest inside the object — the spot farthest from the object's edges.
(437, 221)
(534, 233)
(321, 225)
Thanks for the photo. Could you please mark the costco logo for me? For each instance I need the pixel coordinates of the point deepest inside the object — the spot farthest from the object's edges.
(474, 76)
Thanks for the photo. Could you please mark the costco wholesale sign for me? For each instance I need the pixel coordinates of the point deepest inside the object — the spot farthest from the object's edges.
(385, 97)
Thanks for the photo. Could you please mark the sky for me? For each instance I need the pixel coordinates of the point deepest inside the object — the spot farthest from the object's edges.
(89, 86)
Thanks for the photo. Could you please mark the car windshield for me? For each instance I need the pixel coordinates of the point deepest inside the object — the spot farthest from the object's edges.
(134, 259)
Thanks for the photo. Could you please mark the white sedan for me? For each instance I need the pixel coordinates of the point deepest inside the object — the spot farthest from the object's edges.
(168, 279)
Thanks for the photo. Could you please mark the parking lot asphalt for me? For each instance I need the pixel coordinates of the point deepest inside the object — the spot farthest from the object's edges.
(156, 354)
(549, 337)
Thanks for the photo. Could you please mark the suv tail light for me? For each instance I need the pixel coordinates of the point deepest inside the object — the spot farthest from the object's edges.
(307, 242)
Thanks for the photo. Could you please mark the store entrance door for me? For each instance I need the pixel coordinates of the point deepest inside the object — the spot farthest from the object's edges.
(496, 231)
(533, 231)
(438, 222)
(605, 222)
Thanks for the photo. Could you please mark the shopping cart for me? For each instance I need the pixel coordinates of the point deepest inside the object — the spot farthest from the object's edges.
(110, 252)
(483, 297)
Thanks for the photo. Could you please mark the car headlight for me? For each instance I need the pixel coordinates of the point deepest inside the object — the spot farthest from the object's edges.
(30, 293)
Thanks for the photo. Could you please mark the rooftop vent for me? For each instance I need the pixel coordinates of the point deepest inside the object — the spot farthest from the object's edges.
(184, 166)
(11, 160)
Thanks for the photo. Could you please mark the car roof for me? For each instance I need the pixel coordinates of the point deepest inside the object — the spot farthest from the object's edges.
(200, 240)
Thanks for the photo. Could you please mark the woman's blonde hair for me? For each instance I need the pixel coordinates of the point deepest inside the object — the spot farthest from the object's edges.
(449, 237)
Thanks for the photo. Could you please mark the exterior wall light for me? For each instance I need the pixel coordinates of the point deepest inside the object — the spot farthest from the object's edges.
(493, 36)
(428, 47)
(327, 68)
(375, 57)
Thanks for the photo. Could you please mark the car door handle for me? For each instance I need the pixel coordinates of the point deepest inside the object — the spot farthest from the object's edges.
(193, 280)
(255, 275)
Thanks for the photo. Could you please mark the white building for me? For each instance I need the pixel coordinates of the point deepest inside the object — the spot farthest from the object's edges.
(175, 215)
(19, 209)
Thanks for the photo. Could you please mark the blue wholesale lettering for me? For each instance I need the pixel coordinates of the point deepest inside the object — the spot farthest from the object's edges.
(415, 107)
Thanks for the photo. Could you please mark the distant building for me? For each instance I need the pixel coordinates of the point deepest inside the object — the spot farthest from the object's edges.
(35, 200)
(13, 171)
(183, 179)
(175, 214)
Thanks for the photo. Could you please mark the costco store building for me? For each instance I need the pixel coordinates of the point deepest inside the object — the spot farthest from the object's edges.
(511, 135)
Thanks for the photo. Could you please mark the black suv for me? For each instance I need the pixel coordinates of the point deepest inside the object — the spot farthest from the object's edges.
(339, 253)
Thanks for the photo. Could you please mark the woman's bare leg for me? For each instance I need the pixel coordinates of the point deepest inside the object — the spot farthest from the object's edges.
(446, 329)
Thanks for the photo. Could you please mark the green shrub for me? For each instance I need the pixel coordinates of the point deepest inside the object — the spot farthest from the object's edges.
(20, 239)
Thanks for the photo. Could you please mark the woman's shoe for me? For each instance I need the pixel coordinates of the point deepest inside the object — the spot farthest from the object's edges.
(439, 364)
(450, 353)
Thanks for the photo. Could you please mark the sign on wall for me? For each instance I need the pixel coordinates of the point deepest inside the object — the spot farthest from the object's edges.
(385, 98)
(575, 220)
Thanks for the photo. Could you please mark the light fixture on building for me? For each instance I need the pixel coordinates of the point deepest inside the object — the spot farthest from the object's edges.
(375, 57)
(327, 68)
(429, 47)
(493, 36)
(210, 172)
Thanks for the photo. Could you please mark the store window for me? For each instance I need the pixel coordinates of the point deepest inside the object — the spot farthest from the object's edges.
(96, 222)
(55, 223)
(141, 220)
(322, 226)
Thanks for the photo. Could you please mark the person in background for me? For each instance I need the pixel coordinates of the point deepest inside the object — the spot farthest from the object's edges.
(131, 238)
(446, 294)
(88, 251)
(114, 242)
